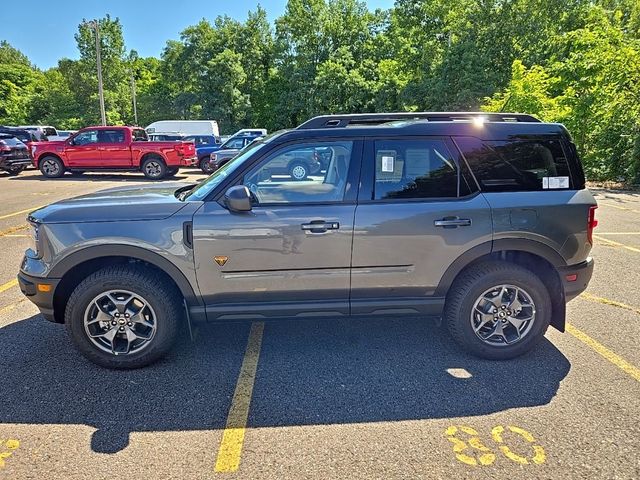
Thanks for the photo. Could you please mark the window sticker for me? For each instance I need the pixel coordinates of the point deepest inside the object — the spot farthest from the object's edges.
(387, 163)
(555, 182)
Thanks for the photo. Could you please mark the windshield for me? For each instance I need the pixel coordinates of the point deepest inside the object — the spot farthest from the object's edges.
(201, 191)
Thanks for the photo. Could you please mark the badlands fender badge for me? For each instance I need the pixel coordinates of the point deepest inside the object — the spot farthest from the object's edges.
(221, 259)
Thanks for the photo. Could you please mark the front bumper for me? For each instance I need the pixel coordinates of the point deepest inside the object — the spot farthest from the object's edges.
(582, 272)
(32, 288)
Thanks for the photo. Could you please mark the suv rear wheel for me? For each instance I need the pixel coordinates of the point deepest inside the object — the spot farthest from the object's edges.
(51, 167)
(154, 168)
(123, 317)
(498, 310)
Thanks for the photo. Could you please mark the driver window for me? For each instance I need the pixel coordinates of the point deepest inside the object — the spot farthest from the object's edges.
(87, 137)
(301, 173)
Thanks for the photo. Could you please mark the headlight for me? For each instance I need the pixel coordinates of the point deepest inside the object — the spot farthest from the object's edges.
(213, 157)
(34, 229)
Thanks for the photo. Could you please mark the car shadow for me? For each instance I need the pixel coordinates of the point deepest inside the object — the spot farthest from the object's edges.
(106, 177)
(310, 372)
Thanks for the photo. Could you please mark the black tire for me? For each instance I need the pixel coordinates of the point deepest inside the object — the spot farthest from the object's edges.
(469, 287)
(298, 170)
(171, 172)
(51, 167)
(154, 168)
(77, 173)
(16, 170)
(162, 296)
(205, 165)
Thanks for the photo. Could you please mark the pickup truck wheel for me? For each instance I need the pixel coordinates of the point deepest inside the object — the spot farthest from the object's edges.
(51, 167)
(15, 170)
(154, 168)
(206, 166)
(298, 170)
(497, 310)
(123, 316)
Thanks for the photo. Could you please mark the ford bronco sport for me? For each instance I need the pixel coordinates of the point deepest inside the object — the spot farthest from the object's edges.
(481, 219)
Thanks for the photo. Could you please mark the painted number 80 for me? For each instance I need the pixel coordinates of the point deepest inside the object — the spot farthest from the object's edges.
(466, 439)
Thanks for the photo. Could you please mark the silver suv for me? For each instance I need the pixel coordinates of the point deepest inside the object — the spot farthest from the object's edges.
(481, 219)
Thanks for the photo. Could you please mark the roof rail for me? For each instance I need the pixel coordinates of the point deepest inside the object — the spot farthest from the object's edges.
(344, 120)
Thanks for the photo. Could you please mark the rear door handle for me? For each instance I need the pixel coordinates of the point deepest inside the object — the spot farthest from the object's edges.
(319, 226)
(452, 222)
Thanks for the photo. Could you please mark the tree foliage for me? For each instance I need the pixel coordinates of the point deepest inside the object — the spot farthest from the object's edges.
(571, 61)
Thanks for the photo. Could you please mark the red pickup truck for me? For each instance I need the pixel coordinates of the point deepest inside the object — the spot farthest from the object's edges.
(112, 149)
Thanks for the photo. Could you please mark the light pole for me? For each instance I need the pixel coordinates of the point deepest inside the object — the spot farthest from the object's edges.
(133, 95)
(95, 26)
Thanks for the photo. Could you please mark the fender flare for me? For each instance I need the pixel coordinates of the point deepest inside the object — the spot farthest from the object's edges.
(519, 244)
(138, 253)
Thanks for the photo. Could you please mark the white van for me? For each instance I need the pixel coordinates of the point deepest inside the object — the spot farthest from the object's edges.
(188, 127)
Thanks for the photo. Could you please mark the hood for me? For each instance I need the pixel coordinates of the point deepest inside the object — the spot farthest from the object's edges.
(228, 152)
(142, 202)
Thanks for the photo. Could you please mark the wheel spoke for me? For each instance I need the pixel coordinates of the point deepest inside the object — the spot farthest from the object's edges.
(120, 304)
(140, 319)
(497, 331)
(515, 303)
(484, 319)
(496, 301)
(517, 322)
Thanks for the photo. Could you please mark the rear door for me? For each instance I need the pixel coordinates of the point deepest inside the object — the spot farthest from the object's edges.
(291, 254)
(82, 150)
(114, 146)
(417, 213)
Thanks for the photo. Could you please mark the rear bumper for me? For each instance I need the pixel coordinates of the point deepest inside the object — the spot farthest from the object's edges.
(582, 272)
(189, 161)
(6, 162)
(42, 300)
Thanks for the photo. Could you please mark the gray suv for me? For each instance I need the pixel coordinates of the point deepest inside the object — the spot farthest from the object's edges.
(480, 219)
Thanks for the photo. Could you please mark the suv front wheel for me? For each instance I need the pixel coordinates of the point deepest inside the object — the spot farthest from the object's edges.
(123, 316)
(498, 310)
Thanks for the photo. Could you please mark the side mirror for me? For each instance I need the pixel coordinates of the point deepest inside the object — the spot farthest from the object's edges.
(238, 199)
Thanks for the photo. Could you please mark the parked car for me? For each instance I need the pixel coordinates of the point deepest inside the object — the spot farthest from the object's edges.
(258, 132)
(167, 137)
(298, 164)
(227, 149)
(203, 140)
(65, 133)
(480, 219)
(42, 132)
(25, 136)
(113, 149)
(14, 155)
(188, 127)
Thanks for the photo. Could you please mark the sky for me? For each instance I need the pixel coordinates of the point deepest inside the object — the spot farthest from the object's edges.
(43, 30)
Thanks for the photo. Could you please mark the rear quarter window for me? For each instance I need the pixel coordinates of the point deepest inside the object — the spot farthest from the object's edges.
(518, 165)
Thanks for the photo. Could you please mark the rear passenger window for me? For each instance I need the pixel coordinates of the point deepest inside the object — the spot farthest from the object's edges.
(517, 165)
(414, 169)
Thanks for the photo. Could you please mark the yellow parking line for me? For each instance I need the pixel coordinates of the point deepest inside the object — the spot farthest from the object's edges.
(618, 207)
(11, 306)
(8, 215)
(617, 360)
(606, 301)
(233, 436)
(9, 231)
(606, 241)
(8, 285)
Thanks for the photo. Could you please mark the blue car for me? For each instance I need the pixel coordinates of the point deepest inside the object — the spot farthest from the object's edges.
(237, 142)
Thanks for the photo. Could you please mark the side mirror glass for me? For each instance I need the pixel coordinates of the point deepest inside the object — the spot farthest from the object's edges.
(238, 199)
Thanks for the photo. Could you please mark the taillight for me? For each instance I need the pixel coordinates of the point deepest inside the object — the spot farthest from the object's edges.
(591, 223)
(4, 147)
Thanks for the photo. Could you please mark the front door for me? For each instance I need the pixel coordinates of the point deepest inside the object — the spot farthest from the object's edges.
(289, 256)
(416, 215)
(82, 150)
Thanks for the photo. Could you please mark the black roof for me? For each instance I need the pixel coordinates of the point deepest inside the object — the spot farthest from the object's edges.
(486, 126)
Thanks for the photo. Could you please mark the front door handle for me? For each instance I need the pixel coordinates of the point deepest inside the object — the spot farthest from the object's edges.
(319, 226)
(452, 222)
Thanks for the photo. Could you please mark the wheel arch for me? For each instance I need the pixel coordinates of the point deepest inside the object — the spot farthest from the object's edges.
(536, 256)
(146, 155)
(36, 161)
(77, 266)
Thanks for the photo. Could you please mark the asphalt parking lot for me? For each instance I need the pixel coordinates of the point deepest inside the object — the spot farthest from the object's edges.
(325, 399)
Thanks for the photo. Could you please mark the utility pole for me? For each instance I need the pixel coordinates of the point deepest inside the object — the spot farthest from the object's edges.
(133, 95)
(95, 25)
